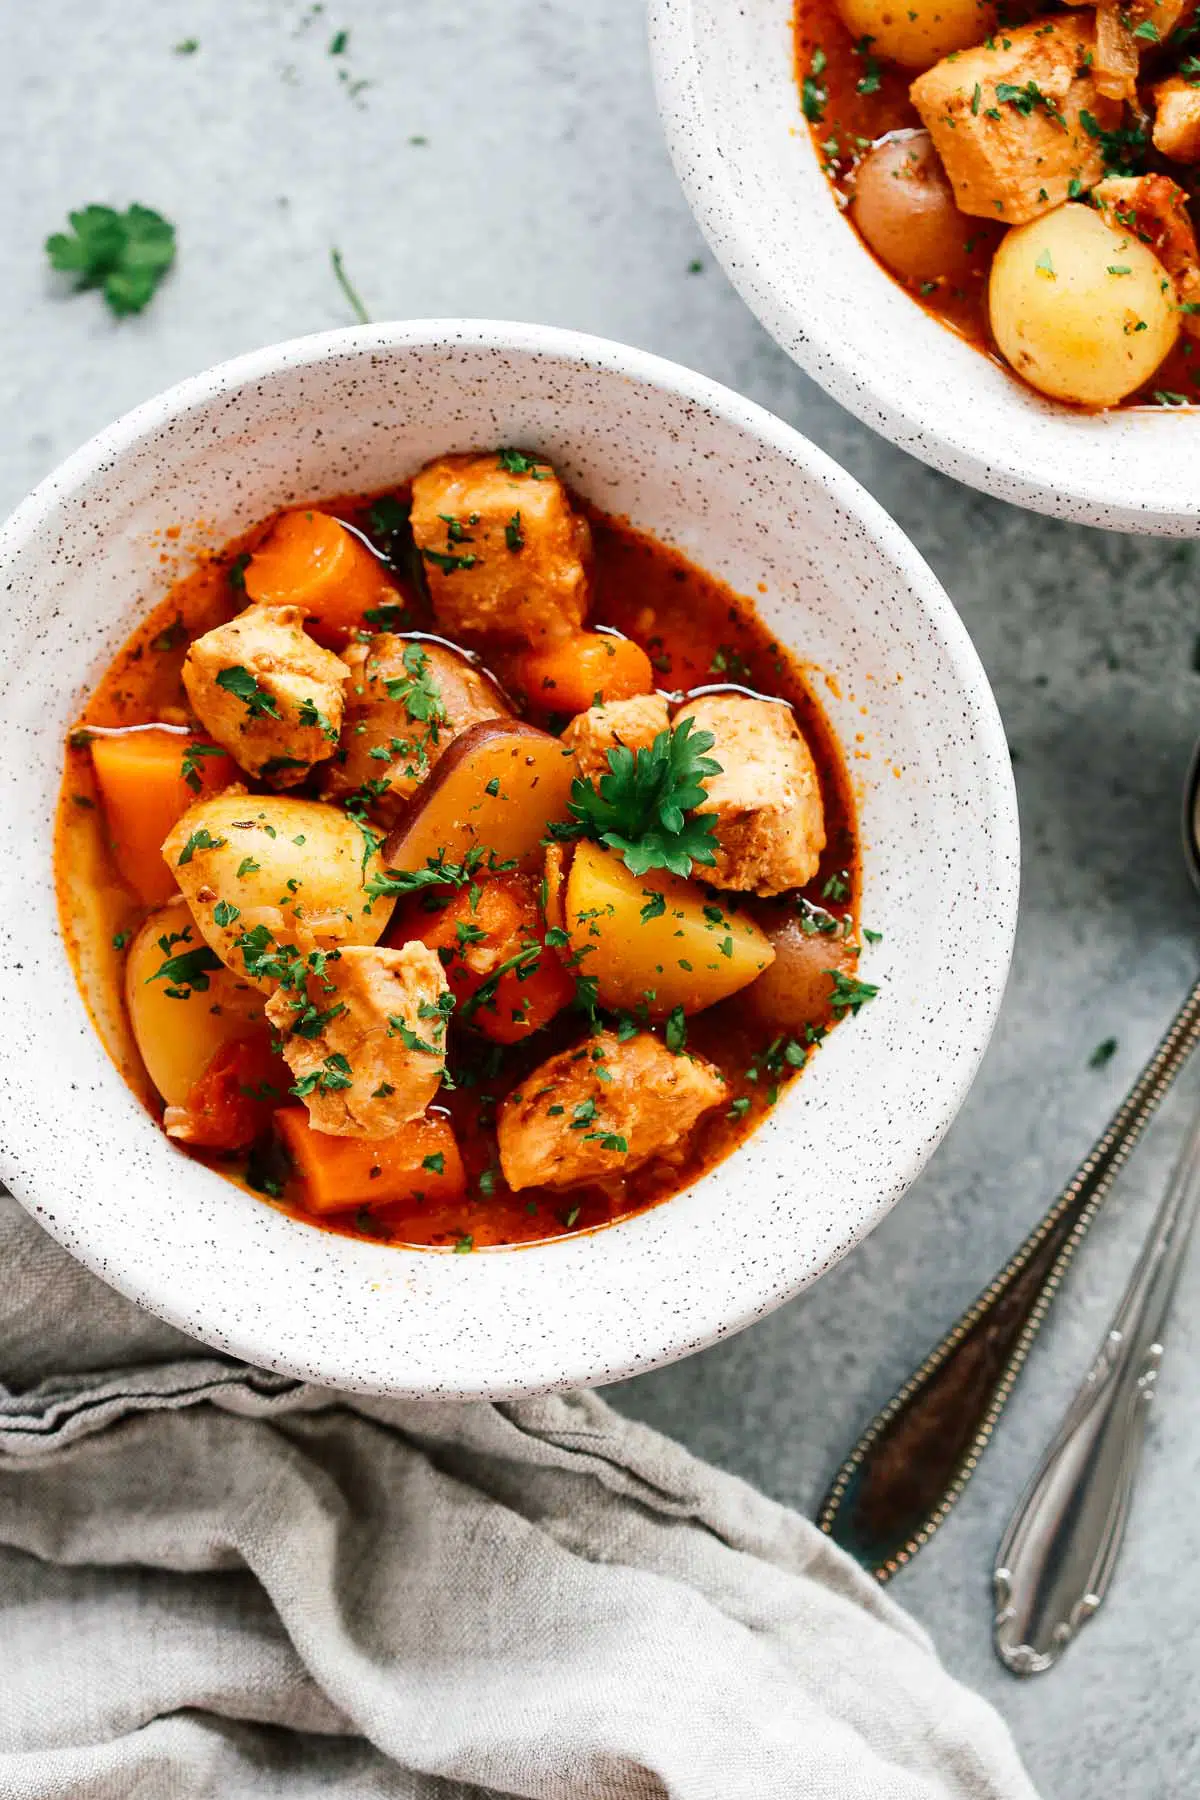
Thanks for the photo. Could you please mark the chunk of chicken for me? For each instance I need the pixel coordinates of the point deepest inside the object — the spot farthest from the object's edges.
(767, 799)
(1006, 121)
(568, 1124)
(504, 552)
(267, 693)
(1155, 209)
(1177, 119)
(407, 701)
(365, 1036)
(632, 723)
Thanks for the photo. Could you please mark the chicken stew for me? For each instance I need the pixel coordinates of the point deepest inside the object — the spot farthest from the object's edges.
(458, 866)
(1030, 176)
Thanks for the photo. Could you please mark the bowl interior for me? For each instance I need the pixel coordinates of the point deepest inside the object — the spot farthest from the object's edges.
(742, 150)
(749, 500)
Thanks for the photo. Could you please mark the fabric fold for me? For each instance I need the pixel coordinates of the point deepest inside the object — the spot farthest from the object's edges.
(216, 1581)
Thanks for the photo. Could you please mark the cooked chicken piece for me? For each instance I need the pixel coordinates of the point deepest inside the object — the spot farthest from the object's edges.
(407, 701)
(365, 1036)
(1006, 121)
(267, 693)
(767, 799)
(505, 556)
(1177, 119)
(1154, 208)
(633, 723)
(568, 1124)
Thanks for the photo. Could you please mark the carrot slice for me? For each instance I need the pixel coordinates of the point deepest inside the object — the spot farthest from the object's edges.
(311, 560)
(147, 781)
(338, 1172)
(477, 933)
(582, 671)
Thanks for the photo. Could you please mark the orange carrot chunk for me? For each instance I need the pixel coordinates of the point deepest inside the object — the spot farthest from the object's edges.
(311, 560)
(582, 671)
(147, 781)
(421, 1159)
(497, 926)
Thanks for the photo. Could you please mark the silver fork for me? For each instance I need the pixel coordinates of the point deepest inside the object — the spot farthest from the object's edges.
(1056, 1560)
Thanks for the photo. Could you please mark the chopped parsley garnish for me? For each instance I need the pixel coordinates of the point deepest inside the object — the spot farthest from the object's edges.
(849, 994)
(1103, 1053)
(640, 807)
(418, 691)
(436, 1162)
(513, 535)
(1123, 150)
(837, 887)
(235, 574)
(447, 561)
(126, 255)
(464, 1245)
(516, 462)
(120, 939)
(334, 1073)
(188, 972)
(190, 767)
(242, 684)
(439, 873)
(814, 95)
(171, 636)
(727, 660)
(739, 1108)
(224, 914)
(247, 866)
(310, 714)
(655, 907)
(675, 1034)
(199, 840)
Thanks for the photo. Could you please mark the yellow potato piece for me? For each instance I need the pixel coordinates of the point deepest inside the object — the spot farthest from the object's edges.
(689, 951)
(178, 1037)
(918, 33)
(297, 867)
(1083, 311)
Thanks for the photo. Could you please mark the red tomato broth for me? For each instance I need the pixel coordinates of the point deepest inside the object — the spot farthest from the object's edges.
(852, 122)
(698, 633)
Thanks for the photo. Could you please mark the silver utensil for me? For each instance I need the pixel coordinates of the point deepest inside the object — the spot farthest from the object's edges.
(1057, 1557)
(914, 1460)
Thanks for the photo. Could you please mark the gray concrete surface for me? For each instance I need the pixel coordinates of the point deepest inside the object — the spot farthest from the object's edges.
(544, 192)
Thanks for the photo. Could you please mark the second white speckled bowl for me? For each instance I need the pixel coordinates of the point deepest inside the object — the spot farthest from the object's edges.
(748, 499)
(730, 105)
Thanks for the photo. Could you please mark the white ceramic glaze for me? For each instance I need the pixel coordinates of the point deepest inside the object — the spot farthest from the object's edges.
(730, 105)
(749, 500)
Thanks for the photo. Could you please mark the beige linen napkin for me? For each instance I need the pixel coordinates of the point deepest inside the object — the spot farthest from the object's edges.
(218, 1582)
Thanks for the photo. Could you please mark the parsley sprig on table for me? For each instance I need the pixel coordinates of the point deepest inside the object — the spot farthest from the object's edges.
(645, 806)
(126, 255)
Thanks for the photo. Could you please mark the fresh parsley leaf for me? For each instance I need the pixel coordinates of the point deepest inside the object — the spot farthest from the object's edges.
(436, 1162)
(126, 254)
(849, 994)
(1104, 1052)
(514, 537)
(190, 767)
(333, 1074)
(640, 806)
(241, 683)
(199, 840)
(418, 691)
(310, 714)
(447, 561)
(516, 462)
(655, 907)
(675, 1033)
(224, 914)
(189, 970)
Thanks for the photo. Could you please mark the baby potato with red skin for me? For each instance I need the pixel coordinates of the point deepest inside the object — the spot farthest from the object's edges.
(904, 208)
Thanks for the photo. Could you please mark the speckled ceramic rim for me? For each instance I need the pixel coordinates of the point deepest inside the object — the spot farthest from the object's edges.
(742, 151)
(589, 1309)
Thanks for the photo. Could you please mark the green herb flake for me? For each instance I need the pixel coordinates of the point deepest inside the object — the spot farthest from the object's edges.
(199, 840)
(1103, 1053)
(242, 684)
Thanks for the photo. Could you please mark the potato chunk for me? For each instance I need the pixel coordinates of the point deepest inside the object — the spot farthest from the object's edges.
(655, 941)
(767, 799)
(505, 555)
(406, 703)
(569, 1125)
(365, 1036)
(182, 1012)
(633, 724)
(269, 863)
(1006, 121)
(267, 693)
(1177, 119)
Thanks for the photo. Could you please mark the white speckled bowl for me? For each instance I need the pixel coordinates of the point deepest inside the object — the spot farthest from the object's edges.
(748, 499)
(730, 106)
